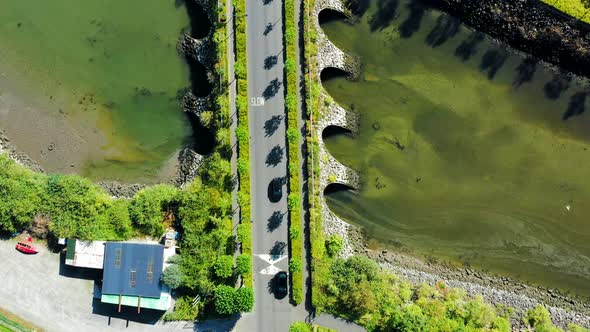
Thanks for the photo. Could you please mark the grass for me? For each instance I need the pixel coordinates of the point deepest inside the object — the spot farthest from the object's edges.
(575, 8)
(291, 104)
(9, 322)
(242, 131)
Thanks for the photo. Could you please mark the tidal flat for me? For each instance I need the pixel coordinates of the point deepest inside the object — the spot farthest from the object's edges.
(470, 153)
(94, 89)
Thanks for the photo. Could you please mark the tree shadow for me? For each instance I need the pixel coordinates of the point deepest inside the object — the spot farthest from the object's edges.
(271, 125)
(525, 71)
(559, 83)
(468, 47)
(358, 7)
(446, 27)
(576, 106)
(270, 61)
(272, 89)
(414, 21)
(266, 2)
(385, 14)
(200, 26)
(268, 29)
(275, 156)
(492, 61)
(275, 220)
(278, 249)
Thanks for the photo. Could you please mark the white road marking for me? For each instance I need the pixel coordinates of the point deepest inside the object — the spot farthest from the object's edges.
(271, 260)
(257, 101)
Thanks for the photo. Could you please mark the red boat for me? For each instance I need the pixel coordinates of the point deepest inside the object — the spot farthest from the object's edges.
(26, 247)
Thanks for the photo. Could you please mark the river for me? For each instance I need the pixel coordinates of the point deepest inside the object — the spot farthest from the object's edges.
(94, 87)
(469, 153)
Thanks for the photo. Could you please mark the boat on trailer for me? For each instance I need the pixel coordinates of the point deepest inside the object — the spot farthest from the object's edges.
(26, 247)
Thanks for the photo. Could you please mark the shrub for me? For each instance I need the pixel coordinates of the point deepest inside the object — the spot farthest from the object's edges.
(333, 245)
(172, 277)
(228, 300)
(299, 327)
(295, 265)
(224, 266)
(150, 206)
(244, 264)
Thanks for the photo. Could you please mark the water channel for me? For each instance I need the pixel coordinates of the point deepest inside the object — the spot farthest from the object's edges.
(469, 153)
(94, 88)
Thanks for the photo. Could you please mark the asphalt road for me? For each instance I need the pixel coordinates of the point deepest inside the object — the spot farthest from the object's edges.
(268, 159)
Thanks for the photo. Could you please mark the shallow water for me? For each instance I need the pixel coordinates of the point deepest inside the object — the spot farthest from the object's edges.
(110, 64)
(464, 156)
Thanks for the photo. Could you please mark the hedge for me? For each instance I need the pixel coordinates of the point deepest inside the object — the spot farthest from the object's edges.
(579, 9)
(291, 105)
(242, 132)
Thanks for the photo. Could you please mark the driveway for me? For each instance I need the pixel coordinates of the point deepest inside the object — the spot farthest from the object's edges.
(44, 292)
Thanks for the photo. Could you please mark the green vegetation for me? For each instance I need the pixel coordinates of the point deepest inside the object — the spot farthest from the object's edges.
(172, 277)
(204, 272)
(304, 327)
(151, 206)
(229, 300)
(74, 206)
(244, 265)
(333, 245)
(12, 323)
(577, 8)
(242, 132)
(291, 104)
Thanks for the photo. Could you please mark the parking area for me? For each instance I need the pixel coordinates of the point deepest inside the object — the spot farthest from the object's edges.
(58, 298)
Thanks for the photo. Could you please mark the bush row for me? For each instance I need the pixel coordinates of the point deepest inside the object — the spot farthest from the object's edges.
(242, 132)
(294, 199)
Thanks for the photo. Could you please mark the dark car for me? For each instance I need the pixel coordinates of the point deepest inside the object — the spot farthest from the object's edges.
(281, 282)
(275, 190)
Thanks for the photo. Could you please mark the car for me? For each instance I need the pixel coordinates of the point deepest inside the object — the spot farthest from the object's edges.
(281, 284)
(275, 190)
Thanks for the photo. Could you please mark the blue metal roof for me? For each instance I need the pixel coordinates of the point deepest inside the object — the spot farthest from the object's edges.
(132, 269)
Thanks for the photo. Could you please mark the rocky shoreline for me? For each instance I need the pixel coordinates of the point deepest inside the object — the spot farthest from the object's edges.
(496, 290)
(530, 26)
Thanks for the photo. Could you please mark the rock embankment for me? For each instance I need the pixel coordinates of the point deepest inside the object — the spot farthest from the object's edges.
(529, 26)
(496, 290)
(20, 157)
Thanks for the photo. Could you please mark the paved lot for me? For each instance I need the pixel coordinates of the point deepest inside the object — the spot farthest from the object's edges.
(55, 298)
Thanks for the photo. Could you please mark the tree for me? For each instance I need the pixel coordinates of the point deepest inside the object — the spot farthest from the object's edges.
(20, 192)
(75, 206)
(224, 266)
(243, 264)
(172, 277)
(150, 206)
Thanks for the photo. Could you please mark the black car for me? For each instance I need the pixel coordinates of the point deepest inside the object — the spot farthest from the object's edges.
(281, 282)
(275, 190)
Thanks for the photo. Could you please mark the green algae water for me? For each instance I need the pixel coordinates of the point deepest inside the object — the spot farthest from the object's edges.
(114, 66)
(468, 152)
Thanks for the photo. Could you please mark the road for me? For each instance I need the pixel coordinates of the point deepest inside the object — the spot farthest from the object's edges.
(268, 160)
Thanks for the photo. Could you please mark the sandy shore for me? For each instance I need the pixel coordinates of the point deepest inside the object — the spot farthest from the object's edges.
(43, 128)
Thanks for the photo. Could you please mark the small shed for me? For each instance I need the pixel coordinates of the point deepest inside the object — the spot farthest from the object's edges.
(87, 254)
